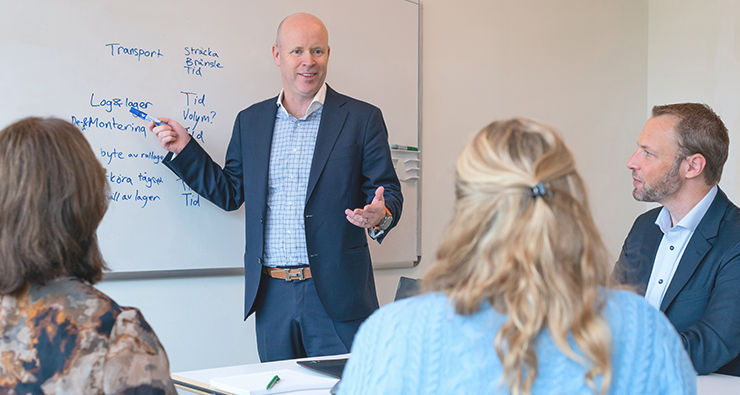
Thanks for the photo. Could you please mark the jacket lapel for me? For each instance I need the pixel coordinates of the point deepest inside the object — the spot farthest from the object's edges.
(697, 249)
(332, 121)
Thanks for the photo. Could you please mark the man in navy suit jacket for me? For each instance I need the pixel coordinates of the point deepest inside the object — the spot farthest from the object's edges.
(685, 256)
(313, 168)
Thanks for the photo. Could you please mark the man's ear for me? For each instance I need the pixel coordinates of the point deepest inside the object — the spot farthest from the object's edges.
(276, 54)
(696, 164)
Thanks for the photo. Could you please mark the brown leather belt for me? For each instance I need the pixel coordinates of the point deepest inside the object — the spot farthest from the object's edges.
(288, 274)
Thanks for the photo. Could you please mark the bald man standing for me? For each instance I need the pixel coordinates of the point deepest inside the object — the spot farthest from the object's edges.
(314, 170)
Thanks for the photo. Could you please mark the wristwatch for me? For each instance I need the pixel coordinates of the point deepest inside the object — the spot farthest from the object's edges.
(379, 230)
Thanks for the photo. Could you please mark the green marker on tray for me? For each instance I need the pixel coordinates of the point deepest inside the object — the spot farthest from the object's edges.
(403, 147)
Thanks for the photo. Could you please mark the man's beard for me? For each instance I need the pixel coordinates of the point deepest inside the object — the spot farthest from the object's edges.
(666, 186)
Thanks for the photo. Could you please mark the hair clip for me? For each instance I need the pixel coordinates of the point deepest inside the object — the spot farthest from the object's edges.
(537, 190)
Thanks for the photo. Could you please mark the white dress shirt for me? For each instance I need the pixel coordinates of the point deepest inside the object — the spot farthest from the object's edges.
(672, 246)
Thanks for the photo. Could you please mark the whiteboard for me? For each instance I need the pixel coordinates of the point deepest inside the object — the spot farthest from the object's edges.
(199, 63)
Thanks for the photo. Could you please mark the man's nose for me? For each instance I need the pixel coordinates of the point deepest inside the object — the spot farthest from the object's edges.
(307, 59)
(632, 163)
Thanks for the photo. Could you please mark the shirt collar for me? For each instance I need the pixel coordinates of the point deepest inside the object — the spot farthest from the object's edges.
(692, 219)
(316, 103)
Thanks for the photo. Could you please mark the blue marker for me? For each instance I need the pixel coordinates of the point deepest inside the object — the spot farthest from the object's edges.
(144, 116)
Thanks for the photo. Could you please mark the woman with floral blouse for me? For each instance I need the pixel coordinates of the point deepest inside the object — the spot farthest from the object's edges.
(59, 334)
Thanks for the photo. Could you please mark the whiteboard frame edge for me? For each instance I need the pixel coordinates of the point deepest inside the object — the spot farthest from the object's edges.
(178, 273)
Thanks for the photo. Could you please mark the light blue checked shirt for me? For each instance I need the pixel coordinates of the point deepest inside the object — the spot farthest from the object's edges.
(293, 143)
(672, 246)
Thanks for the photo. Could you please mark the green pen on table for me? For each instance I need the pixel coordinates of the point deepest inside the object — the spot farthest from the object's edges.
(273, 382)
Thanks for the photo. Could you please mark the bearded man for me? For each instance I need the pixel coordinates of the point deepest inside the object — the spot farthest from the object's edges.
(684, 257)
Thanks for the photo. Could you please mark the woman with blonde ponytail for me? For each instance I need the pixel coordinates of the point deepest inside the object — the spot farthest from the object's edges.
(517, 302)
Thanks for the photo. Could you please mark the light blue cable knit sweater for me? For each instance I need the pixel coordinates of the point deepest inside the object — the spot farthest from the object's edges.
(420, 346)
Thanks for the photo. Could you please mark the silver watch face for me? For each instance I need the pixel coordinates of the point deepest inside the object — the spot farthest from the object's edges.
(385, 222)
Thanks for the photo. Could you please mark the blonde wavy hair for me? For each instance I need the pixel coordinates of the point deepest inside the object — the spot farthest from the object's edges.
(537, 259)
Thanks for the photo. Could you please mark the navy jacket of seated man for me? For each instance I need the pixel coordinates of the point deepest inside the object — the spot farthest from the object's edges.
(703, 299)
(351, 160)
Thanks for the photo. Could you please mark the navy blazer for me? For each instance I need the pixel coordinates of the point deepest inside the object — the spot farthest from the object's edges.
(703, 299)
(351, 160)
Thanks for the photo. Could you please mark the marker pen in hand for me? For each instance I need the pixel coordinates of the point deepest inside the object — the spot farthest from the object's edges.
(144, 116)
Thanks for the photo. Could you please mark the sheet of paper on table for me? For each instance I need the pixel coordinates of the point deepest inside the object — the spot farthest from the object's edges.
(256, 383)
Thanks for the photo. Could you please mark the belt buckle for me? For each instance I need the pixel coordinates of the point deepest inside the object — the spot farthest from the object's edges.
(294, 276)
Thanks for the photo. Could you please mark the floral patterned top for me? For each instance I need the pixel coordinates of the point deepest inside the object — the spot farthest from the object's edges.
(66, 337)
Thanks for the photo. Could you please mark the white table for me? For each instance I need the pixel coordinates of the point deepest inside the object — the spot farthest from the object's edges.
(196, 381)
(719, 384)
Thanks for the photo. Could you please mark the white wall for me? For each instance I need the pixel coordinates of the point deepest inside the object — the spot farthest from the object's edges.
(580, 65)
(198, 320)
(694, 55)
